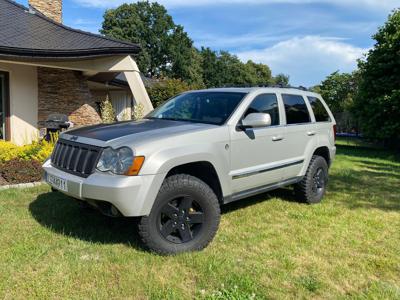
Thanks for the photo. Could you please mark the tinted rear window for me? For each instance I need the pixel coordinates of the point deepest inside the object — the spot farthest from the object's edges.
(320, 113)
(296, 109)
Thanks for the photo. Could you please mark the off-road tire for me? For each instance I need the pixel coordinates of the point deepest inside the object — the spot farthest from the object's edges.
(150, 227)
(306, 190)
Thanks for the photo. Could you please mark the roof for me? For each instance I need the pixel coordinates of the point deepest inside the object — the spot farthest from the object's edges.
(27, 33)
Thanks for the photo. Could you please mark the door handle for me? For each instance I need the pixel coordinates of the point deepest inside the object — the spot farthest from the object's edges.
(277, 138)
(311, 133)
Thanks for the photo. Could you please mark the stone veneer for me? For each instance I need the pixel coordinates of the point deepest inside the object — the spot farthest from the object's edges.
(50, 8)
(66, 92)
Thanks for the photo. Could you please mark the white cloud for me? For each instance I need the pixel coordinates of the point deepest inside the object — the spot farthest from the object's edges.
(307, 59)
(376, 4)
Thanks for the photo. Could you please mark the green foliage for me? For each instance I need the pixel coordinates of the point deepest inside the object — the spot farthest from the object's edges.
(281, 79)
(338, 90)
(224, 69)
(378, 102)
(167, 49)
(18, 170)
(38, 151)
(166, 89)
(107, 111)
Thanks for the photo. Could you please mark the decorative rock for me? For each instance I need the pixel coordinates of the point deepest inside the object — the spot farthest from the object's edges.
(21, 185)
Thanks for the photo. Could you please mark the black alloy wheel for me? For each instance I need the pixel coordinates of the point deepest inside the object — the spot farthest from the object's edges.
(181, 219)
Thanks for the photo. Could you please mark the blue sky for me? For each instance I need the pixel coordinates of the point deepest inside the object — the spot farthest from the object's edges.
(306, 39)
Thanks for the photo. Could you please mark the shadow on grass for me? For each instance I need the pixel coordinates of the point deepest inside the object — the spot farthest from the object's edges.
(370, 183)
(364, 152)
(63, 215)
(285, 194)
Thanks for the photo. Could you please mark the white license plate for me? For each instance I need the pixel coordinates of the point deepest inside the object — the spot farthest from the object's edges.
(57, 182)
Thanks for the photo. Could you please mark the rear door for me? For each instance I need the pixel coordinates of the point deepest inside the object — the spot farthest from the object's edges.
(323, 121)
(300, 133)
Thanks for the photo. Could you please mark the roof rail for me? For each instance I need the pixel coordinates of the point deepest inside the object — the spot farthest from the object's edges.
(282, 86)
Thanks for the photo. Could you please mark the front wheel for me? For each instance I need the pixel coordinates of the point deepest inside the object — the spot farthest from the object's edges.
(312, 187)
(185, 216)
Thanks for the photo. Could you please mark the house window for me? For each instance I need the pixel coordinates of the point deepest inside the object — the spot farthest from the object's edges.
(4, 106)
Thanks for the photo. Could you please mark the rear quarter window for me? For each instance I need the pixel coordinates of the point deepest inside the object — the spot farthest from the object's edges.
(296, 109)
(320, 113)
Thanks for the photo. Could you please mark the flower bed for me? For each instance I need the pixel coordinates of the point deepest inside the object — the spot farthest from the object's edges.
(22, 164)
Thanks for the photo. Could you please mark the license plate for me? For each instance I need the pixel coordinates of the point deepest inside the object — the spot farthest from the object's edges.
(57, 182)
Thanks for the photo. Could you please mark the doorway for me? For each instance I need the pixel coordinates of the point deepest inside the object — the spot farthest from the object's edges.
(4, 106)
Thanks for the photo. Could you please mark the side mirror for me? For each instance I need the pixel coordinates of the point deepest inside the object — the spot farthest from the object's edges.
(256, 120)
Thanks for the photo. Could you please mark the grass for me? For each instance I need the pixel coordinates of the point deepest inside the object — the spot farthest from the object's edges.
(268, 247)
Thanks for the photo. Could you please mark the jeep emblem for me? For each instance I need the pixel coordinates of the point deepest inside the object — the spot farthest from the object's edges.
(74, 138)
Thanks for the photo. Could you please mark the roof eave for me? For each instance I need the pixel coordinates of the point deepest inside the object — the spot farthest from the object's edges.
(70, 54)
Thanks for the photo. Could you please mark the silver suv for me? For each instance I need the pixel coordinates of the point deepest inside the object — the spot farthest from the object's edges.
(198, 151)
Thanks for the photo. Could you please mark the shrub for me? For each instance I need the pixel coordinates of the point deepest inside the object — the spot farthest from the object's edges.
(107, 111)
(166, 89)
(21, 171)
(37, 151)
(138, 112)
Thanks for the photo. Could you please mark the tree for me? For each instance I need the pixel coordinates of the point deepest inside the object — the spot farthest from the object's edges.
(338, 90)
(166, 89)
(378, 101)
(259, 74)
(167, 49)
(281, 79)
(224, 69)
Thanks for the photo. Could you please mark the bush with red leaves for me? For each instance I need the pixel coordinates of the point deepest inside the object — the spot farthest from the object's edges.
(21, 171)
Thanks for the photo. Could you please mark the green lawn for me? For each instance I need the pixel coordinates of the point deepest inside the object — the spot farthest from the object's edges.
(267, 247)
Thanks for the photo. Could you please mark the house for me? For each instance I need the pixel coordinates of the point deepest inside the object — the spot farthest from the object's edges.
(46, 67)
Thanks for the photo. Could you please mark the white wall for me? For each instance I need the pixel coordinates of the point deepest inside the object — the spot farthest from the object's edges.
(23, 102)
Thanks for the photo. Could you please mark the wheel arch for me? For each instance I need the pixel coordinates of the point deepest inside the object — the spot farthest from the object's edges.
(323, 151)
(204, 170)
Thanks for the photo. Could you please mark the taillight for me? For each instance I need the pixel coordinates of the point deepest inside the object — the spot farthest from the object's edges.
(334, 132)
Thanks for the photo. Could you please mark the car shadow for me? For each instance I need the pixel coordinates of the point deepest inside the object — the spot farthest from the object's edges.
(284, 194)
(65, 216)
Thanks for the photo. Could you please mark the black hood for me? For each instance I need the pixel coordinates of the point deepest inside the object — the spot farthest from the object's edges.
(107, 132)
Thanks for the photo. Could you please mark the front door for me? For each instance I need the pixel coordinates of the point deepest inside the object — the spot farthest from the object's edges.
(257, 153)
(4, 106)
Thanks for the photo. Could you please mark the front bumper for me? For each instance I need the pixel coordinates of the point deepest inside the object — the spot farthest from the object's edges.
(132, 195)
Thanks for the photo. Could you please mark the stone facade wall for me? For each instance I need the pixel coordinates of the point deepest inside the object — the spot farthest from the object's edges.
(66, 92)
(50, 8)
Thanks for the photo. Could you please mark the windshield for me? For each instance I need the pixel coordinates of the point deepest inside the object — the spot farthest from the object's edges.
(199, 107)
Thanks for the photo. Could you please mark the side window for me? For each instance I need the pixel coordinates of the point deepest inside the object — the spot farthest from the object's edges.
(296, 109)
(265, 103)
(320, 113)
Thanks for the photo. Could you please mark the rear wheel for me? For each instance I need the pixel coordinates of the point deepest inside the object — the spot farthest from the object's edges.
(184, 217)
(313, 186)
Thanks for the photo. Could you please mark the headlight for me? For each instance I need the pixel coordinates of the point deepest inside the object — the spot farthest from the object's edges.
(116, 161)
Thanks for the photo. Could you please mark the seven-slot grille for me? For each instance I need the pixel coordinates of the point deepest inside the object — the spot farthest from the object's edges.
(75, 158)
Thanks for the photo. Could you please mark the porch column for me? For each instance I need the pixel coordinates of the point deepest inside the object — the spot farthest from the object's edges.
(138, 89)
